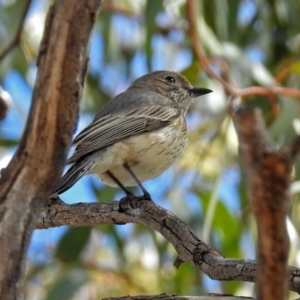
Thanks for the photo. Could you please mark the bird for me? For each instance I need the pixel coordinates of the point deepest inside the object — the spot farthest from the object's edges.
(136, 136)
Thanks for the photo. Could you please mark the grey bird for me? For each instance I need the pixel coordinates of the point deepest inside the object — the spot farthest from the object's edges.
(137, 135)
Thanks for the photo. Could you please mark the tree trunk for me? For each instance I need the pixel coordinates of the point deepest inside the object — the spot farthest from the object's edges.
(35, 168)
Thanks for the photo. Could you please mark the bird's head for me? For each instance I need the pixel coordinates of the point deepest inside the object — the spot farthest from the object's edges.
(172, 85)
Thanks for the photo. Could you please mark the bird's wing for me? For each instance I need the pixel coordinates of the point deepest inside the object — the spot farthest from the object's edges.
(109, 129)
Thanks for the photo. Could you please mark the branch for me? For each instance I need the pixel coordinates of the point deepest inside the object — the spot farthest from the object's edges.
(268, 179)
(231, 90)
(16, 40)
(189, 248)
(36, 166)
(175, 297)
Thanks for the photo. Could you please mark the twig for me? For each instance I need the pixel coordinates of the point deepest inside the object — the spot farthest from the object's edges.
(191, 16)
(16, 40)
(231, 90)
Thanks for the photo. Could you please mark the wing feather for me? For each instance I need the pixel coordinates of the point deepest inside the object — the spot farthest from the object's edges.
(109, 129)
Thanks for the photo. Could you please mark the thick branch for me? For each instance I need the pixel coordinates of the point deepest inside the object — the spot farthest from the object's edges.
(268, 178)
(190, 249)
(36, 167)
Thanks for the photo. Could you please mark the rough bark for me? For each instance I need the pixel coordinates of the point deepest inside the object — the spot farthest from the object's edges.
(268, 171)
(189, 247)
(32, 174)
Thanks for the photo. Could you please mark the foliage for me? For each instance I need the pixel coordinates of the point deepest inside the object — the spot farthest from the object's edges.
(246, 43)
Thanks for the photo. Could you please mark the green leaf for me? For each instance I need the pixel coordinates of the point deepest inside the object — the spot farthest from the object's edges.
(104, 194)
(282, 129)
(10, 19)
(153, 7)
(295, 67)
(186, 281)
(8, 143)
(67, 285)
(192, 72)
(225, 226)
(105, 27)
(72, 243)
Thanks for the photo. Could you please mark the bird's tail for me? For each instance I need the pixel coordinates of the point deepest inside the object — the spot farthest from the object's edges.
(77, 171)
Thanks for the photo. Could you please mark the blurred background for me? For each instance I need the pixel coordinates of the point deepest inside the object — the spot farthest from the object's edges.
(245, 42)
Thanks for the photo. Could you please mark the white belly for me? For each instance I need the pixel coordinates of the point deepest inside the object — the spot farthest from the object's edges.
(148, 155)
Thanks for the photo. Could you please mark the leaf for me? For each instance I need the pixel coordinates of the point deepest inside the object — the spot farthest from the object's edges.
(72, 243)
(186, 281)
(67, 285)
(192, 72)
(153, 7)
(10, 18)
(106, 31)
(225, 225)
(295, 67)
(105, 193)
(8, 143)
(282, 129)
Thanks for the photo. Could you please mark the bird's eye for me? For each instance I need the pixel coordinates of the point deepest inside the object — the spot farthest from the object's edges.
(170, 79)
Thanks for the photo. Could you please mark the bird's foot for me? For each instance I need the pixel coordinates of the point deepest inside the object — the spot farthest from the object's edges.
(130, 201)
(54, 199)
(146, 196)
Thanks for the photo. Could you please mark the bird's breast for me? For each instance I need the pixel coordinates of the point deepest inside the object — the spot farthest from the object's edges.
(148, 154)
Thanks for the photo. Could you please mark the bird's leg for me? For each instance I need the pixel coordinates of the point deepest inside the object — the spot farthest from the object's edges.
(118, 182)
(129, 195)
(147, 195)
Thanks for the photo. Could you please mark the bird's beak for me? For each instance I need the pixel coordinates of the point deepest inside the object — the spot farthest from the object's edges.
(196, 92)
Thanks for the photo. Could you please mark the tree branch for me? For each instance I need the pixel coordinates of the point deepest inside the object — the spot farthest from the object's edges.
(175, 297)
(36, 166)
(231, 90)
(189, 248)
(268, 179)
